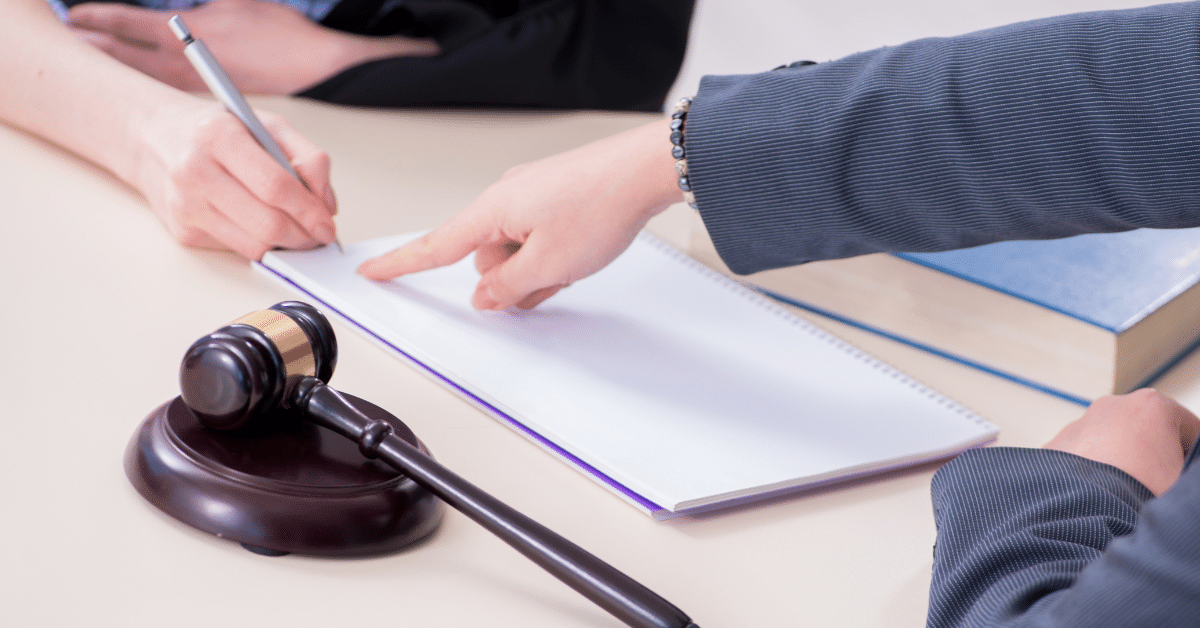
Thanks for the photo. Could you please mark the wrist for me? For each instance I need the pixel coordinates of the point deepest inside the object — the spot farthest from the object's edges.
(152, 133)
(660, 183)
(345, 50)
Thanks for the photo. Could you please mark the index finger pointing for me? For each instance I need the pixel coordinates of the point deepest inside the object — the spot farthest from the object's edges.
(443, 246)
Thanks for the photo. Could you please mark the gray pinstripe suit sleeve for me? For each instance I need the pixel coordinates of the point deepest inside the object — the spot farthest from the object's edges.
(1083, 123)
(1041, 538)
(1050, 128)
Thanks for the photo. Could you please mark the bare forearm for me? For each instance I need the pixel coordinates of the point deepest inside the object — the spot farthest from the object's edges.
(64, 90)
(199, 169)
(266, 48)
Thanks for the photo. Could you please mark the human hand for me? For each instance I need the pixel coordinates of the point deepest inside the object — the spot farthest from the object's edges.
(265, 47)
(551, 222)
(1144, 433)
(213, 186)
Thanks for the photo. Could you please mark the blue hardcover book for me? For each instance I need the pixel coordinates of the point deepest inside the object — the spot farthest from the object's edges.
(1078, 317)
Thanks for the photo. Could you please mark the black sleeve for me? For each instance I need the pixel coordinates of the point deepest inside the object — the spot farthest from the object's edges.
(593, 54)
(1042, 538)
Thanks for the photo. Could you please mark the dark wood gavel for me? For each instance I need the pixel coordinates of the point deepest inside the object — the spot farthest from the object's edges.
(284, 356)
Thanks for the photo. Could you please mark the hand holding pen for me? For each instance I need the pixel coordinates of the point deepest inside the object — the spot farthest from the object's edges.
(269, 207)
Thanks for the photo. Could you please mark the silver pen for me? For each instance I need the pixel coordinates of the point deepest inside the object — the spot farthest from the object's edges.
(223, 88)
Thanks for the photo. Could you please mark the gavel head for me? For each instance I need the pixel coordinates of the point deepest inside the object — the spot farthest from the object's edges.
(248, 367)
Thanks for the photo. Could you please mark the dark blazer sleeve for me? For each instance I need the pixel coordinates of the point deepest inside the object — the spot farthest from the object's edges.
(1041, 538)
(1043, 129)
(594, 54)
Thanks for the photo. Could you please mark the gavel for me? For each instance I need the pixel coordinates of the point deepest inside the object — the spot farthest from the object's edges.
(238, 376)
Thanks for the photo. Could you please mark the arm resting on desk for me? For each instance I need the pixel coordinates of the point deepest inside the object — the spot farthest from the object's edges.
(1034, 537)
(199, 169)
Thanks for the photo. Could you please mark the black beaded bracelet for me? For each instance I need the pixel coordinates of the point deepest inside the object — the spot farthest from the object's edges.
(678, 122)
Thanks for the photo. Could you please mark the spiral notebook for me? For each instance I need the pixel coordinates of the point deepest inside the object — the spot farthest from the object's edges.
(674, 386)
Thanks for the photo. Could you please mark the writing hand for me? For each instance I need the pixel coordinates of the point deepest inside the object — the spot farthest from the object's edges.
(213, 186)
(266, 48)
(1144, 433)
(549, 223)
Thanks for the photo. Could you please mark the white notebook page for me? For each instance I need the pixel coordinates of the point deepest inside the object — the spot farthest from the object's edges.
(679, 385)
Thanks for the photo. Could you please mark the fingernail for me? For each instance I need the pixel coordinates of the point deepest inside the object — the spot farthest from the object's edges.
(493, 302)
(330, 200)
(366, 267)
(484, 300)
(323, 234)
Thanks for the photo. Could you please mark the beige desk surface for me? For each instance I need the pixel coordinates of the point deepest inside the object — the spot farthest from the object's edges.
(99, 304)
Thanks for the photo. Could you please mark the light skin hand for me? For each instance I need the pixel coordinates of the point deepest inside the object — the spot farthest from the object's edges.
(213, 186)
(266, 48)
(1144, 433)
(201, 171)
(549, 223)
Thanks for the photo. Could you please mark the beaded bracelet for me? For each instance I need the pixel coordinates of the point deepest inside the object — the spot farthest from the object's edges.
(678, 122)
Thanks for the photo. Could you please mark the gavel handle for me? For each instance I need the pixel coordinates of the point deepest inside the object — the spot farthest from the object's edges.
(615, 592)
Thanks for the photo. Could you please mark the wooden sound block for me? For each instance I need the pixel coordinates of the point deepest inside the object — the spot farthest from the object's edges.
(288, 487)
